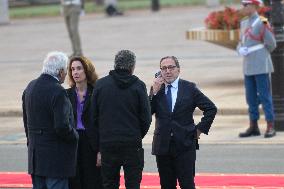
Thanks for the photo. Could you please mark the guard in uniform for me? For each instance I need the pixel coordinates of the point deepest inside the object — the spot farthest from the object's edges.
(257, 41)
(71, 11)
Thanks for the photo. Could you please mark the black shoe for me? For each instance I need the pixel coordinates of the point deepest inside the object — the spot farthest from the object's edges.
(250, 132)
(270, 133)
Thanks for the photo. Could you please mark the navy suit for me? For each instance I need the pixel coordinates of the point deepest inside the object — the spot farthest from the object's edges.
(174, 141)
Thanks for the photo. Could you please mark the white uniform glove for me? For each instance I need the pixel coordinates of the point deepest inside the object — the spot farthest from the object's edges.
(243, 51)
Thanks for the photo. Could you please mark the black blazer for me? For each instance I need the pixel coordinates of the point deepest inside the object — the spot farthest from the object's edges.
(180, 122)
(49, 127)
(87, 115)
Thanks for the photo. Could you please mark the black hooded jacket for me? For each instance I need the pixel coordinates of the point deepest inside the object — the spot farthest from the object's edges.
(122, 108)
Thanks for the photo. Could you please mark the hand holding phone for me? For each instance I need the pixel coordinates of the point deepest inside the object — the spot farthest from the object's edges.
(158, 74)
(158, 81)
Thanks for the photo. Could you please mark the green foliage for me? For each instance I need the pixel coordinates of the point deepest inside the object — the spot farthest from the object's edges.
(181, 2)
(91, 7)
(34, 11)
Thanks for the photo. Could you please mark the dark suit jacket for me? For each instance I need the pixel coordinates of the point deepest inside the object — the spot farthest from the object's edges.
(49, 126)
(180, 122)
(88, 121)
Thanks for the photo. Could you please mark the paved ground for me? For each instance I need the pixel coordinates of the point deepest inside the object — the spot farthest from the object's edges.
(224, 131)
(216, 70)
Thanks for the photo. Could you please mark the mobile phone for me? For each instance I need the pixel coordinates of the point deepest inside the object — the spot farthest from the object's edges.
(158, 74)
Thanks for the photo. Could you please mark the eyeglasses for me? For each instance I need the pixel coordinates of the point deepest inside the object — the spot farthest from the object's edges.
(170, 68)
(245, 4)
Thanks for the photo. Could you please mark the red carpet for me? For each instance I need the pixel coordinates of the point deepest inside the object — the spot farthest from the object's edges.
(151, 181)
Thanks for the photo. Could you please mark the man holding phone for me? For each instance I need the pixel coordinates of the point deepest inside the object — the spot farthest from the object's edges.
(173, 101)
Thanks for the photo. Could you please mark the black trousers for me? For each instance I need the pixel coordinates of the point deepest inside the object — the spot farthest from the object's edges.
(177, 166)
(88, 175)
(114, 157)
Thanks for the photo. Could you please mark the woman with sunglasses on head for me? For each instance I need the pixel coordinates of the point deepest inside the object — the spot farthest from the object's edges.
(82, 78)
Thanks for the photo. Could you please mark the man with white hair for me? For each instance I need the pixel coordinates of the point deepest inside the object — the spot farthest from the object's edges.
(49, 126)
(257, 41)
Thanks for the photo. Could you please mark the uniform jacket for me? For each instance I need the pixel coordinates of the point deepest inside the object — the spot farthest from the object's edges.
(87, 115)
(257, 62)
(122, 108)
(180, 122)
(49, 127)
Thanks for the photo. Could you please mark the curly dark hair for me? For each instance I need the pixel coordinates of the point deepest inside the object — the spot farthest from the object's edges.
(89, 70)
(125, 60)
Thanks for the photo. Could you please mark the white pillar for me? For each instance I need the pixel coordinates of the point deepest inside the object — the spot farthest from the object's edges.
(4, 12)
(212, 3)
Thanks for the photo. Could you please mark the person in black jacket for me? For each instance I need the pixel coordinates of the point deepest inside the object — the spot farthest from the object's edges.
(111, 8)
(49, 126)
(123, 115)
(173, 101)
(82, 78)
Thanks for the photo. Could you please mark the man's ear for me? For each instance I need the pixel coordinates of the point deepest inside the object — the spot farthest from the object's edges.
(61, 72)
(132, 70)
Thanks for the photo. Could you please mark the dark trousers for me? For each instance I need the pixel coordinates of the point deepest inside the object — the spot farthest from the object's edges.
(130, 158)
(40, 182)
(88, 175)
(177, 166)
